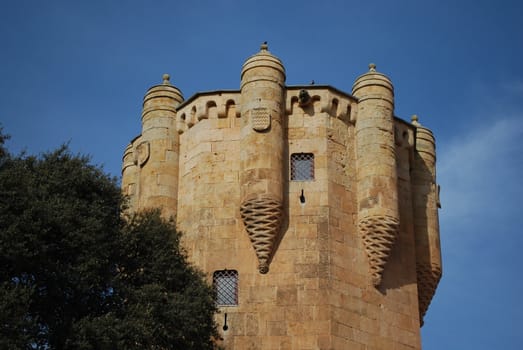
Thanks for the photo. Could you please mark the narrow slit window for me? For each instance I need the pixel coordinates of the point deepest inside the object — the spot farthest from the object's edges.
(302, 166)
(225, 284)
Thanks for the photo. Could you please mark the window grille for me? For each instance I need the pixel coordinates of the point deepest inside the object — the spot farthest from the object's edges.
(225, 284)
(302, 166)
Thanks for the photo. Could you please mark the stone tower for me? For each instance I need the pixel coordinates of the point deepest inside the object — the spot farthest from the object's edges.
(313, 211)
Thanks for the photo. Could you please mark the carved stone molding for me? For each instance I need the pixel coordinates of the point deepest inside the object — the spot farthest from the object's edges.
(379, 234)
(262, 217)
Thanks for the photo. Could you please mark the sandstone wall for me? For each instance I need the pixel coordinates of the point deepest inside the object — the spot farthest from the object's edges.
(355, 258)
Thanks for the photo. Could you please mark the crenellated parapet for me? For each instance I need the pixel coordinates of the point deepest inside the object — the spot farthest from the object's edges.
(315, 99)
(208, 105)
(226, 104)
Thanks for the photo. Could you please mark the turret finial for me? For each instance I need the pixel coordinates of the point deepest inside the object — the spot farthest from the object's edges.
(166, 78)
(264, 46)
(414, 119)
(372, 67)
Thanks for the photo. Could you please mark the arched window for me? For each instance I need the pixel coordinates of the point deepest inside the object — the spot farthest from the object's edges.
(225, 284)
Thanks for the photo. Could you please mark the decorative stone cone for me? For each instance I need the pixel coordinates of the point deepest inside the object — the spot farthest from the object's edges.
(262, 217)
(379, 234)
(428, 279)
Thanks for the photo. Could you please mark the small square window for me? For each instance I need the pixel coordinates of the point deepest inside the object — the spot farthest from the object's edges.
(225, 284)
(302, 166)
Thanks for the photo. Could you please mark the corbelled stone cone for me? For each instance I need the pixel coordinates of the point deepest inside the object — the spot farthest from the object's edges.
(377, 194)
(262, 145)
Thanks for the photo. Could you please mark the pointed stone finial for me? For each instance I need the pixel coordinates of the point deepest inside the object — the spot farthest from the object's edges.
(372, 67)
(264, 46)
(414, 119)
(166, 78)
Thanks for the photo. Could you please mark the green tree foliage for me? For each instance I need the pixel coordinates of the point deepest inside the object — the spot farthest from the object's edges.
(165, 303)
(75, 275)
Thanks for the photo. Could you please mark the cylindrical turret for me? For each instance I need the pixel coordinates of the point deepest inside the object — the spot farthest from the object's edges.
(130, 177)
(378, 214)
(158, 149)
(262, 144)
(426, 224)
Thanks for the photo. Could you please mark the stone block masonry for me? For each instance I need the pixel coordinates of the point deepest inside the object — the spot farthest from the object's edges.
(318, 206)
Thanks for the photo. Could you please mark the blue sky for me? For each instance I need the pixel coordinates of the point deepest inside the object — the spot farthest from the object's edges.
(76, 71)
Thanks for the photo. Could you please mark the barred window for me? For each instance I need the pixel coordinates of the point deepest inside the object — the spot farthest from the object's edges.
(225, 284)
(302, 166)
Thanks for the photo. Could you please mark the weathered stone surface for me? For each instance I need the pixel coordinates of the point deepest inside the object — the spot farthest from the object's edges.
(353, 250)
